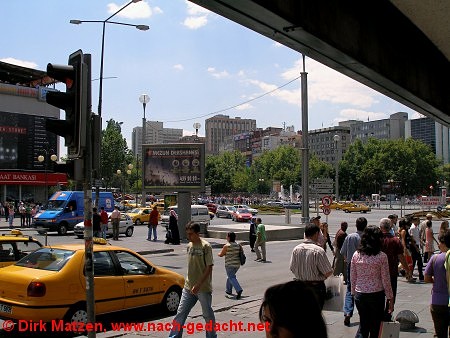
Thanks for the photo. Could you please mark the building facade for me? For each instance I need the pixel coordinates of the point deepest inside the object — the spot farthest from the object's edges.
(24, 139)
(218, 127)
(155, 133)
(329, 144)
(432, 133)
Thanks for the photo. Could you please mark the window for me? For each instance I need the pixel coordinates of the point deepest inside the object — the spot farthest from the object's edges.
(103, 265)
(132, 265)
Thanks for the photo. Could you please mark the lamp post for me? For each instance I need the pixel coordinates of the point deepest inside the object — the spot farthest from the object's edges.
(144, 99)
(44, 159)
(391, 182)
(336, 139)
(100, 88)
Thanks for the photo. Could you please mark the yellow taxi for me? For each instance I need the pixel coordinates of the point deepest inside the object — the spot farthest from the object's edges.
(49, 284)
(356, 208)
(140, 215)
(14, 245)
(159, 206)
(337, 205)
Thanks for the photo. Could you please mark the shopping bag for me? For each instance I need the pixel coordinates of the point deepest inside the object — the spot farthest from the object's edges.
(335, 293)
(389, 330)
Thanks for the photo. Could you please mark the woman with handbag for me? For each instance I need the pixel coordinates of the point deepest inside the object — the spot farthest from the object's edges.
(173, 234)
(370, 282)
(231, 251)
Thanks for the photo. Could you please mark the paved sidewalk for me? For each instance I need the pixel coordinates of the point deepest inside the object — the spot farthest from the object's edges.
(413, 297)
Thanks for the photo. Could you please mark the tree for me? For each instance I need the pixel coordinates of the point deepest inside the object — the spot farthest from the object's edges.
(115, 153)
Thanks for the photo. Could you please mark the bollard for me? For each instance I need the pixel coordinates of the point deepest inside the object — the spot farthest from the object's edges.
(287, 216)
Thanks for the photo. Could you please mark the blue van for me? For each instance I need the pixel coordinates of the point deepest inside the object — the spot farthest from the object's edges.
(65, 209)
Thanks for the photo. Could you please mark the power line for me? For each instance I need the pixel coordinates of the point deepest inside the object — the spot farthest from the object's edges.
(239, 104)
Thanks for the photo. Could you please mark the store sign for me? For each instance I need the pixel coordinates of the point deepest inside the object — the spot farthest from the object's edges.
(31, 178)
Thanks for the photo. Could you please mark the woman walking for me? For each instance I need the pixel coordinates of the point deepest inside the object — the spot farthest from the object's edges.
(232, 264)
(429, 242)
(370, 282)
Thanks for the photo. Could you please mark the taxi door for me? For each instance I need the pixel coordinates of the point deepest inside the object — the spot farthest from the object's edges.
(109, 284)
(141, 284)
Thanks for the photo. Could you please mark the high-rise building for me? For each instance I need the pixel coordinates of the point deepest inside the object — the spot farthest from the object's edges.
(432, 133)
(155, 133)
(323, 144)
(220, 126)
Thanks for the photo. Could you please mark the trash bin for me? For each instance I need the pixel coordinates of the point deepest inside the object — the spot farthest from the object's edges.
(287, 216)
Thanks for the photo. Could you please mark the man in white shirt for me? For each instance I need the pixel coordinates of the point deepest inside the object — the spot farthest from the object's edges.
(415, 246)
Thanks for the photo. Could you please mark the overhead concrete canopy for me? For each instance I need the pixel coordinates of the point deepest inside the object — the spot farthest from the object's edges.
(399, 48)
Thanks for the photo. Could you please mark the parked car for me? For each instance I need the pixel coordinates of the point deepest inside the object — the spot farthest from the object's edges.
(140, 215)
(356, 208)
(199, 214)
(126, 227)
(50, 284)
(14, 245)
(275, 204)
(225, 211)
(241, 215)
(292, 205)
(243, 206)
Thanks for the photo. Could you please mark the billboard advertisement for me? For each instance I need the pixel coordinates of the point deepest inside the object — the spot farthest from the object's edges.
(174, 167)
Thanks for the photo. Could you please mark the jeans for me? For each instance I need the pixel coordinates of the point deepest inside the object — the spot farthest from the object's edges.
(104, 230)
(152, 229)
(370, 308)
(187, 302)
(11, 221)
(349, 303)
(232, 281)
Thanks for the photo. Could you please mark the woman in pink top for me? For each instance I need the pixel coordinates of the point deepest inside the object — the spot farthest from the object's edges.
(370, 282)
(429, 241)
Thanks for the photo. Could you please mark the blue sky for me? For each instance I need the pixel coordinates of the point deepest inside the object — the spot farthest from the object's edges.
(191, 62)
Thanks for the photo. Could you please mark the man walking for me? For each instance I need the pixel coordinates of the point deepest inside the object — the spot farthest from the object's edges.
(393, 248)
(115, 220)
(415, 246)
(260, 241)
(104, 222)
(349, 247)
(198, 283)
(309, 263)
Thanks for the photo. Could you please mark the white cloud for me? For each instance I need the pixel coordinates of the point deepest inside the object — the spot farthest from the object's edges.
(138, 10)
(194, 9)
(13, 61)
(195, 22)
(244, 106)
(358, 114)
(216, 74)
(178, 66)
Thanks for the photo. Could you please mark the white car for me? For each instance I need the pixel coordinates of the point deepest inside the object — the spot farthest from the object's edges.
(243, 206)
(126, 227)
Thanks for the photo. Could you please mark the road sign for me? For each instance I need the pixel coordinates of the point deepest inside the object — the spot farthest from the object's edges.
(432, 201)
(326, 211)
(326, 201)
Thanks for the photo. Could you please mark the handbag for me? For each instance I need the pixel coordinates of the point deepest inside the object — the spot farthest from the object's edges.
(335, 293)
(242, 257)
(389, 330)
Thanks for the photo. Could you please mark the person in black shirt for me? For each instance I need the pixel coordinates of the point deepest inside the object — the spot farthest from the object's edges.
(252, 234)
(96, 221)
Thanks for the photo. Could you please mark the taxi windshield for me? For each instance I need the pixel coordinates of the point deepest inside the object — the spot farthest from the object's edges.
(135, 211)
(46, 259)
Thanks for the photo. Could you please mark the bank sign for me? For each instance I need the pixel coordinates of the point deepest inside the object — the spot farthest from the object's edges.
(174, 167)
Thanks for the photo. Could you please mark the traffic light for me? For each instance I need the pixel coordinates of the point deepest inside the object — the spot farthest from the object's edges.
(74, 101)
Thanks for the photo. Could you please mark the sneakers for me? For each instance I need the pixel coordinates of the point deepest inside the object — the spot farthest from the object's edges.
(258, 260)
(347, 320)
(229, 293)
(239, 295)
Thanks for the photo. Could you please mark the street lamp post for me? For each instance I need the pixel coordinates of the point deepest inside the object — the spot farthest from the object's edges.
(144, 99)
(102, 53)
(336, 139)
(44, 159)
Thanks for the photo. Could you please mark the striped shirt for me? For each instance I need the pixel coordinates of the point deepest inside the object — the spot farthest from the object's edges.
(232, 256)
(309, 262)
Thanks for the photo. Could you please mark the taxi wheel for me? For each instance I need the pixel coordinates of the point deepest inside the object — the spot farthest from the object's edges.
(76, 313)
(171, 300)
(138, 221)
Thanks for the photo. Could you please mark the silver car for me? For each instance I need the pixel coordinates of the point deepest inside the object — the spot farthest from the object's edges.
(126, 227)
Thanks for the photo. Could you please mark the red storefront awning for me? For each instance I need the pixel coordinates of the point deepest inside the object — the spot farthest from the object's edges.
(32, 178)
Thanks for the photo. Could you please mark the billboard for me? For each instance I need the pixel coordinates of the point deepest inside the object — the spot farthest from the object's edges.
(174, 167)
